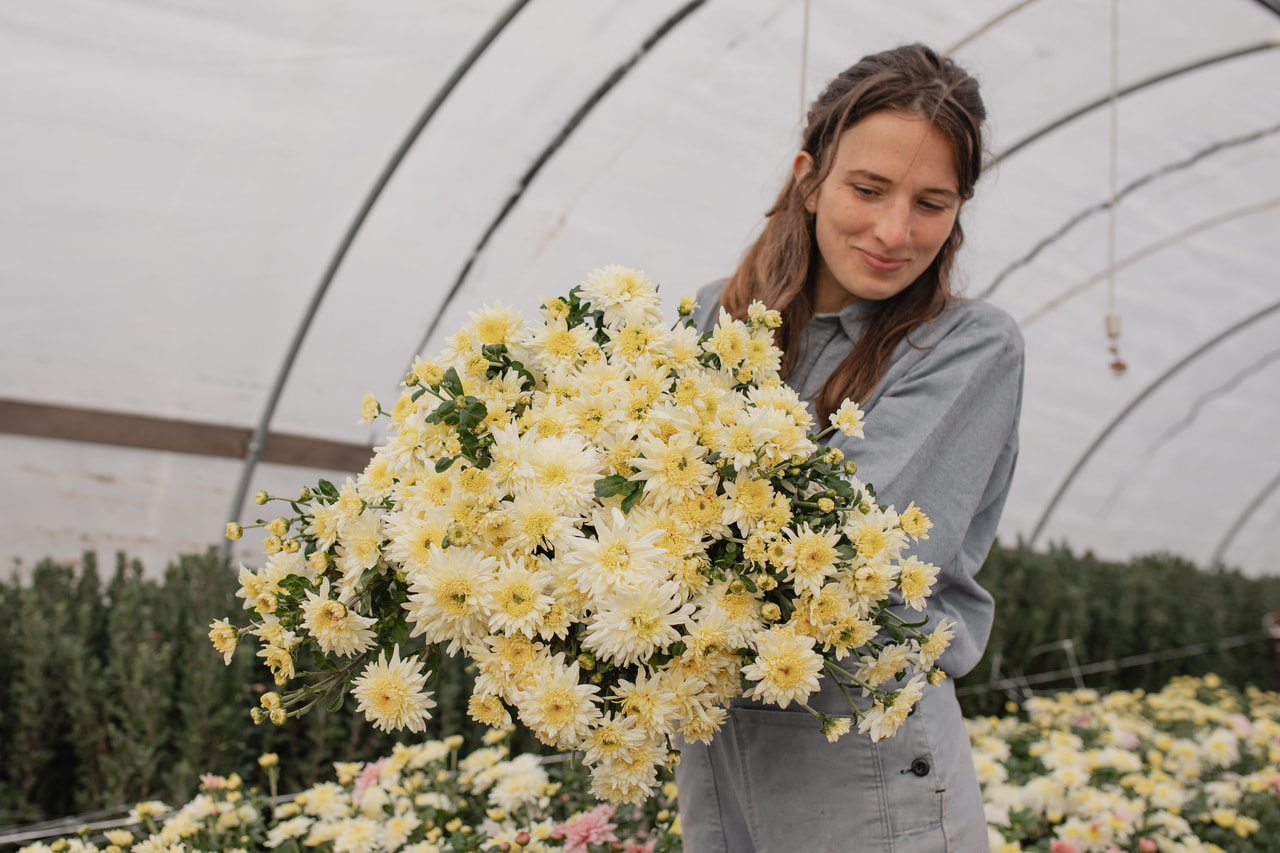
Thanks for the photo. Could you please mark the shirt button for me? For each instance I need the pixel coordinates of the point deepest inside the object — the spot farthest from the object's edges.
(920, 767)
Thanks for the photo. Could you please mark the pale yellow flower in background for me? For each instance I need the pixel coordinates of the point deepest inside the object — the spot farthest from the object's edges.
(786, 668)
(224, 638)
(391, 694)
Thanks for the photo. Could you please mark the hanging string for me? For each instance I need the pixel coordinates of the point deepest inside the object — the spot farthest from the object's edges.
(1118, 365)
(804, 61)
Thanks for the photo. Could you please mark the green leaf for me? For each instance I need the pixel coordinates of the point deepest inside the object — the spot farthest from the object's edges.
(336, 704)
(630, 500)
(327, 489)
(614, 484)
(443, 463)
(472, 415)
(452, 384)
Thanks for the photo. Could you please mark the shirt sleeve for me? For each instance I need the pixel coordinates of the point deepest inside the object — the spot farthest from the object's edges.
(942, 432)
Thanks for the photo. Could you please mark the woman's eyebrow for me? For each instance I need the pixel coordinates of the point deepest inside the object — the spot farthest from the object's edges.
(869, 175)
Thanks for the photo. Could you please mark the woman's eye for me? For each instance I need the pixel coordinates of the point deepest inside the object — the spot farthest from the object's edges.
(868, 192)
(933, 206)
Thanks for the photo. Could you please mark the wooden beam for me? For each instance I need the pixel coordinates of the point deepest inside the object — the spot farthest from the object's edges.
(174, 436)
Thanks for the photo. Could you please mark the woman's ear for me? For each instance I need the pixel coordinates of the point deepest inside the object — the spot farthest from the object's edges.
(802, 168)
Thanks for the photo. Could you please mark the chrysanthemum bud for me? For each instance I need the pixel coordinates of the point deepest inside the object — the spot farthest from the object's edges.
(850, 467)
(771, 611)
(291, 546)
(936, 677)
(826, 504)
(587, 661)
(270, 700)
(234, 531)
(268, 759)
(458, 534)
(305, 494)
(278, 716)
(278, 526)
(261, 497)
(319, 561)
(673, 759)
(256, 715)
(272, 544)
(688, 305)
(766, 582)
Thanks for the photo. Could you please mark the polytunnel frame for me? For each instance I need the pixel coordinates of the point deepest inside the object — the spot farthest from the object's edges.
(258, 441)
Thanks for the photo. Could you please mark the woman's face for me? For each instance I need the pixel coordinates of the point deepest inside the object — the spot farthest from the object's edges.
(884, 210)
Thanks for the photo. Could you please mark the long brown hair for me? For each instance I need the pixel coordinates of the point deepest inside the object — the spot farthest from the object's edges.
(780, 267)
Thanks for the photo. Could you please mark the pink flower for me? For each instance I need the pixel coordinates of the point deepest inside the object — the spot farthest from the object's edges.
(212, 782)
(591, 827)
(1059, 846)
(1146, 845)
(1241, 725)
(368, 776)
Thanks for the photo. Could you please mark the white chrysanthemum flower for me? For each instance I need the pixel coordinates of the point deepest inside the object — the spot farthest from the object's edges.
(390, 693)
(397, 829)
(672, 470)
(616, 737)
(565, 470)
(883, 722)
(596, 412)
(651, 701)
(451, 600)
(728, 341)
(359, 543)
(810, 557)
(915, 581)
(741, 441)
(629, 781)
(554, 344)
(631, 341)
(287, 829)
(848, 419)
(741, 611)
(684, 347)
(786, 668)
(537, 523)
(519, 599)
(338, 629)
(784, 399)
(892, 660)
(937, 643)
(504, 664)
(413, 535)
(521, 781)
(624, 295)
(496, 323)
(358, 835)
(556, 706)
(323, 525)
(616, 557)
(630, 625)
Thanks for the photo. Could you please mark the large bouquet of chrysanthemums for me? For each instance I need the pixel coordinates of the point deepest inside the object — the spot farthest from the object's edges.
(623, 525)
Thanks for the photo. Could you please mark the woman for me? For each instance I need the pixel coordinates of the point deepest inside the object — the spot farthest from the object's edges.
(856, 254)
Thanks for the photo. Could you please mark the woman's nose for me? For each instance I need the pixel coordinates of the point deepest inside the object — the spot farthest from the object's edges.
(894, 225)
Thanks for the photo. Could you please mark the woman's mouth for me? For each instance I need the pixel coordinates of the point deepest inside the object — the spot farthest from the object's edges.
(880, 263)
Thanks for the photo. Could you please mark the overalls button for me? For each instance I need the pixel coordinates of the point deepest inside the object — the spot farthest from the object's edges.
(920, 767)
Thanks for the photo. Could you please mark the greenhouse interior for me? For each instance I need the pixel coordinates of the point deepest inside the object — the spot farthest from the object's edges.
(244, 240)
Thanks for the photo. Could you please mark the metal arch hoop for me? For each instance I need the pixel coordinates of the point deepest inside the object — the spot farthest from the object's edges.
(1133, 405)
(545, 156)
(258, 441)
(1250, 508)
(1129, 90)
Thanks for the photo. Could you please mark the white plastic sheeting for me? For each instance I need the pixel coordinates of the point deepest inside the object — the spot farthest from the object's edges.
(175, 178)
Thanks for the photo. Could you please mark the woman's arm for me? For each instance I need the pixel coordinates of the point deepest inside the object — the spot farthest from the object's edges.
(942, 431)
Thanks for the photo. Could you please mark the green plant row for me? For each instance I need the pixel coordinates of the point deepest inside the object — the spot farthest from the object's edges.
(110, 692)
(1110, 611)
